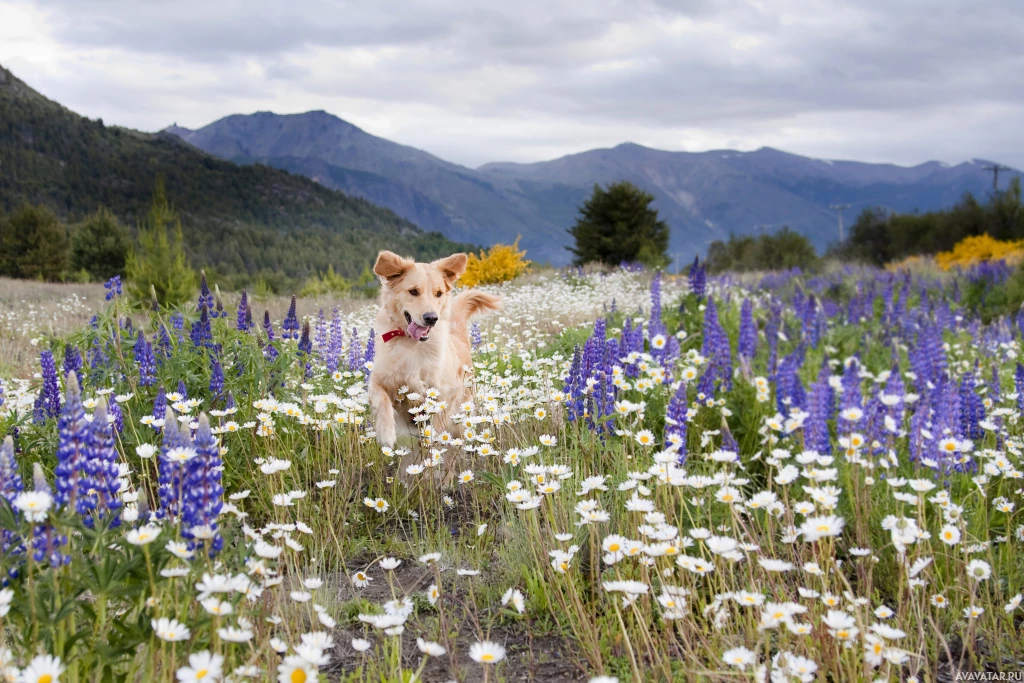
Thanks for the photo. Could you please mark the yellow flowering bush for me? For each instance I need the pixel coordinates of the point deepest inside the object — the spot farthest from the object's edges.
(979, 248)
(500, 263)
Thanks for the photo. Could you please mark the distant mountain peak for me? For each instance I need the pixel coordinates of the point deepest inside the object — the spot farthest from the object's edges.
(702, 195)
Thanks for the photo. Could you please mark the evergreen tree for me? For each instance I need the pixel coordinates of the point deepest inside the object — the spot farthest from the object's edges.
(158, 263)
(33, 245)
(100, 246)
(617, 224)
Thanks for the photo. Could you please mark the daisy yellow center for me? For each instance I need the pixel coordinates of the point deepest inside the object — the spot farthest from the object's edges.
(45, 678)
(201, 674)
(487, 657)
(823, 527)
(614, 547)
(844, 633)
(298, 676)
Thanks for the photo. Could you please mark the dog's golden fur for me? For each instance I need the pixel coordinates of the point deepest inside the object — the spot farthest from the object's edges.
(413, 294)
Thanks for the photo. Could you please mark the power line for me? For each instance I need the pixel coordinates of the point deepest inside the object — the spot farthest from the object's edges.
(995, 169)
(840, 208)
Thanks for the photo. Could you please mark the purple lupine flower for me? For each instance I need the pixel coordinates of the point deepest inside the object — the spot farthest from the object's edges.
(205, 296)
(10, 486)
(203, 493)
(244, 318)
(218, 309)
(631, 342)
(104, 499)
(655, 320)
(851, 396)
(175, 451)
(116, 416)
(216, 378)
(820, 409)
(164, 346)
(748, 332)
(160, 404)
(706, 384)
(291, 323)
(48, 403)
(789, 390)
(10, 480)
(320, 337)
(97, 356)
(146, 361)
(355, 351)
(972, 408)
(305, 349)
(182, 389)
(371, 349)
(771, 333)
(336, 342)
(72, 360)
(729, 442)
(72, 481)
(178, 320)
(47, 544)
(1018, 381)
(113, 287)
(269, 351)
(202, 332)
(677, 423)
(574, 385)
(697, 278)
(715, 346)
(474, 335)
(305, 342)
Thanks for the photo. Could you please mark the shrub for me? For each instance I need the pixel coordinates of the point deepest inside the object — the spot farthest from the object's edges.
(33, 245)
(100, 246)
(617, 225)
(782, 250)
(158, 264)
(500, 263)
(980, 248)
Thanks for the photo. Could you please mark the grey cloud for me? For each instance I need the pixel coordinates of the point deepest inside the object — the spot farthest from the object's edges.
(923, 70)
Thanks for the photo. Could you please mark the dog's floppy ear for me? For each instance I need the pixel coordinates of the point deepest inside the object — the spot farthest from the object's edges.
(390, 266)
(452, 267)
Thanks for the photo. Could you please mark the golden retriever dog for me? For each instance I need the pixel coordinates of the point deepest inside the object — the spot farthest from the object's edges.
(422, 338)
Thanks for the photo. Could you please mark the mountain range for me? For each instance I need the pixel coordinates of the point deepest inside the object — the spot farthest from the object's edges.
(242, 222)
(703, 196)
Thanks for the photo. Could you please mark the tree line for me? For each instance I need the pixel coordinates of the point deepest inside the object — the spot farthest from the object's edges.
(35, 245)
(879, 237)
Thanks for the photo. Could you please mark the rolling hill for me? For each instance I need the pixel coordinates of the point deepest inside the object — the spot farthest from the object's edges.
(703, 196)
(243, 221)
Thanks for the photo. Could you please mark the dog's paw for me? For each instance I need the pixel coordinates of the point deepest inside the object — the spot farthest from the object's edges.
(386, 434)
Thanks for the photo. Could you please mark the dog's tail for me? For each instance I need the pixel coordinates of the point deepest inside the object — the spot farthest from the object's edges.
(471, 302)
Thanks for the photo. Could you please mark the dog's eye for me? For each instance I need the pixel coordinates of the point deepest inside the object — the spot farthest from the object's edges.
(414, 292)
(439, 294)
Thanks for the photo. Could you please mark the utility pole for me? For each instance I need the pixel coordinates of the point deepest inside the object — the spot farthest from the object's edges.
(995, 169)
(840, 208)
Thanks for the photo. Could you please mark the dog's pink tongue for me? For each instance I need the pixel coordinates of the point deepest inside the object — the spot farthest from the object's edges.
(417, 332)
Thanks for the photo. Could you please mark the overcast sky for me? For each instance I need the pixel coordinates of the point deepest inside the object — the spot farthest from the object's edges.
(475, 81)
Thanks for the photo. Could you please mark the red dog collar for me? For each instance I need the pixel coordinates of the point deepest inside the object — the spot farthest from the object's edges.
(388, 336)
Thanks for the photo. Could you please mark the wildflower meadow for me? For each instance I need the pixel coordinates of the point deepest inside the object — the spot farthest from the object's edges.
(660, 478)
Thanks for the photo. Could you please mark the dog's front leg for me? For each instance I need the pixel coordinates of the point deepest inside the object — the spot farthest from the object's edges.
(383, 415)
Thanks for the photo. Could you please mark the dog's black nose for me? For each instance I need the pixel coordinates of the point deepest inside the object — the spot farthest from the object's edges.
(430, 319)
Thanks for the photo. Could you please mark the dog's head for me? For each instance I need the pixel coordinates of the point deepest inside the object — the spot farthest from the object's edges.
(416, 294)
